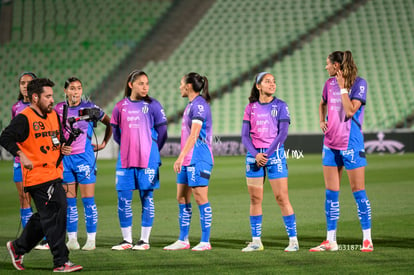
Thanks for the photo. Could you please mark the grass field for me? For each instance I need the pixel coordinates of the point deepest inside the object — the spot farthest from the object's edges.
(390, 187)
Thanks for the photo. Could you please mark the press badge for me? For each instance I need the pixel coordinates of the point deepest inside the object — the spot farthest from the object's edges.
(55, 141)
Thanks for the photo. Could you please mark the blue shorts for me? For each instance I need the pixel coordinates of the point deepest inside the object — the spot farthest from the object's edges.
(17, 172)
(276, 166)
(197, 174)
(351, 158)
(135, 178)
(80, 168)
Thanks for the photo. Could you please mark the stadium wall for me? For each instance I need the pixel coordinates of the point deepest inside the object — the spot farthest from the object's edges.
(296, 145)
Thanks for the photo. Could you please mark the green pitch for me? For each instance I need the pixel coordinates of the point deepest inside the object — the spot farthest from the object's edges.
(390, 187)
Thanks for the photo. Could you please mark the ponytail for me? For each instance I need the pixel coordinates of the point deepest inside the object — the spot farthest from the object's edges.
(349, 69)
(199, 84)
(347, 65)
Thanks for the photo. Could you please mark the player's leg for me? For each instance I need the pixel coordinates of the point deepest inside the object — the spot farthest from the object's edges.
(125, 184)
(72, 217)
(255, 189)
(280, 191)
(91, 214)
(185, 212)
(332, 172)
(26, 210)
(357, 180)
(147, 219)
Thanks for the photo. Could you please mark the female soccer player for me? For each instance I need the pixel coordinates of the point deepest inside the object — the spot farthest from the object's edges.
(140, 128)
(265, 127)
(22, 102)
(341, 113)
(80, 166)
(195, 162)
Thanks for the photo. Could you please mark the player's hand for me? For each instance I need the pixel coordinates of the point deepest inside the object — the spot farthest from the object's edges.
(177, 165)
(261, 159)
(66, 150)
(323, 125)
(26, 163)
(99, 146)
(340, 79)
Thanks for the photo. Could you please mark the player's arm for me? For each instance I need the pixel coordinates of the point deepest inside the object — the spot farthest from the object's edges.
(322, 115)
(108, 132)
(350, 106)
(17, 131)
(162, 135)
(189, 144)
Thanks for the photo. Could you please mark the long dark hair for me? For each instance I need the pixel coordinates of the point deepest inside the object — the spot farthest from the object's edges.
(199, 84)
(347, 65)
(131, 78)
(32, 74)
(255, 94)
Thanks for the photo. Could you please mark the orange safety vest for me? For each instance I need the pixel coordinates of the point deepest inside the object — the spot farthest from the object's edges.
(39, 148)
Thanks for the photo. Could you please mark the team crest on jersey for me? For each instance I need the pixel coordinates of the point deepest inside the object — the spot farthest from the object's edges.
(144, 109)
(274, 111)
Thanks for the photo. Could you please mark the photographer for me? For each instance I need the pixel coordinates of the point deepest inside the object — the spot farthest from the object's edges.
(35, 136)
(79, 117)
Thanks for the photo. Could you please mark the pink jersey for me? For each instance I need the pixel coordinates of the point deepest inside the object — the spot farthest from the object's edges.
(136, 121)
(16, 109)
(264, 119)
(343, 132)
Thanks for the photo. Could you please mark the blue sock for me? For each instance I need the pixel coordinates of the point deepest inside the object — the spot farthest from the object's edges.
(256, 225)
(290, 225)
(91, 214)
(184, 219)
(148, 208)
(125, 208)
(72, 215)
(364, 209)
(332, 209)
(25, 214)
(206, 216)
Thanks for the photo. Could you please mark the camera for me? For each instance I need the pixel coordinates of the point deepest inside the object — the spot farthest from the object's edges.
(87, 114)
(91, 113)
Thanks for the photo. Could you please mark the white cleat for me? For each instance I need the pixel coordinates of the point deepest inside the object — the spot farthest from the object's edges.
(202, 246)
(292, 247)
(124, 245)
(73, 244)
(178, 245)
(253, 246)
(89, 245)
(141, 245)
(325, 246)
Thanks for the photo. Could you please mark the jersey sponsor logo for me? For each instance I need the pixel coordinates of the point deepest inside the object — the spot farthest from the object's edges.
(86, 169)
(133, 118)
(200, 109)
(164, 117)
(361, 90)
(151, 174)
